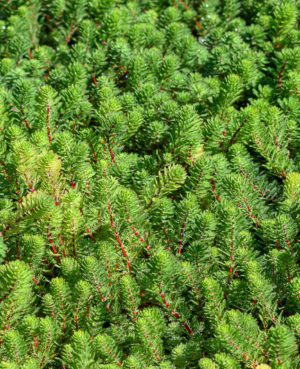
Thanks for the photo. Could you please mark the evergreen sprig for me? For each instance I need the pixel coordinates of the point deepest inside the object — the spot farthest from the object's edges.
(149, 184)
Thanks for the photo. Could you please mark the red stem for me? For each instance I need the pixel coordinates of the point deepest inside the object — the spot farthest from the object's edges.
(26, 123)
(70, 34)
(36, 344)
(280, 75)
(90, 235)
(94, 80)
(117, 237)
(181, 238)
(112, 155)
(175, 314)
(187, 8)
(35, 281)
(213, 190)
(53, 248)
(136, 233)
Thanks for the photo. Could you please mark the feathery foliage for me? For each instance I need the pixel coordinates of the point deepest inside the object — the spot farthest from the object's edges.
(149, 184)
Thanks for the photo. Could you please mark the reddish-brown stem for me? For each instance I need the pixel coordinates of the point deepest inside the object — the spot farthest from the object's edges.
(94, 79)
(29, 184)
(117, 237)
(165, 301)
(231, 259)
(30, 54)
(4, 231)
(112, 155)
(70, 34)
(26, 123)
(35, 281)
(244, 355)
(53, 248)
(198, 24)
(255, 188)
(175, 314)
(215, 305)
(136, 233)
(88, 231)
(280, 75)
(187, 8)
(62, 244)
(188, 329)
(184, 5)
(88, 315)
(36, 344)
(213, 190)
(249, 209)
(181, 238)
(95, 160)
(108, 271)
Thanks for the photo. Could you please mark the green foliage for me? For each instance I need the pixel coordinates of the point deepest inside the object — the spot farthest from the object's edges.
(149, 184)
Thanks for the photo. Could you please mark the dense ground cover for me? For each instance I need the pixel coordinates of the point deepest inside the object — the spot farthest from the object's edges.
(149, 184)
